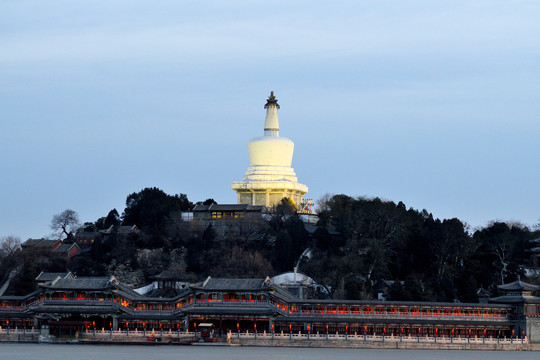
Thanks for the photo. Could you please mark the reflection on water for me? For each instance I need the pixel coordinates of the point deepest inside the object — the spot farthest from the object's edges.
(170, 352)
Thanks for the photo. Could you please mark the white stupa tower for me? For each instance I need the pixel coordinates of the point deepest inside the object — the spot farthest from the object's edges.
(270, 177)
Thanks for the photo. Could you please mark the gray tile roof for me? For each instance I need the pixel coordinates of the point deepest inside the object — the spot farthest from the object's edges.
(284, 294)
(45, 243)
(83, 283)
(181, 293)
(49, 276)
(229, 310)
(199, 208)
(123, 229)
(64, 247)
(482, 292)
(231, 284)
(228, 207)
(31, 242)
(518, 285)
(515, 299)
(171, 275)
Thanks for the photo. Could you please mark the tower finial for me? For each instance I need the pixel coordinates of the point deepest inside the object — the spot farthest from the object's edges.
(271, 100)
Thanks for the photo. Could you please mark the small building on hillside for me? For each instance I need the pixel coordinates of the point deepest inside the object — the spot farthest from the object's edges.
(86, 239)
(66, 251)
(120, 229)
(228, 211)
(57, 248)
(41, 244)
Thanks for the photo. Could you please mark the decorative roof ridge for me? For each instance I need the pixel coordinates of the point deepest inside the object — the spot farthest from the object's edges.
(518, 285)
(267, 282)
(112, 281)
(58, 278)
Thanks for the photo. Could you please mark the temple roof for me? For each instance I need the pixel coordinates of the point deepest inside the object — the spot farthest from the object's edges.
(83, 283)
(515, 299)
(65, 247)
(229, 310)
(123, 229)
(50, 276)
(172, 275)
(225, 284)
(284, 293)
(228, 207)
(518, 285)
(44, 243)
(482, 292)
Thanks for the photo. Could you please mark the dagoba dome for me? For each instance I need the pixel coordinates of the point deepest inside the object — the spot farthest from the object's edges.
(270, 177)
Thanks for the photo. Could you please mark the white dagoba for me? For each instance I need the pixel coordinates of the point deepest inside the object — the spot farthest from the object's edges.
(270, 177)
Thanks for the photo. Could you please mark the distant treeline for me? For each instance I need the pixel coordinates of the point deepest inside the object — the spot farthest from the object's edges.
(356, 242)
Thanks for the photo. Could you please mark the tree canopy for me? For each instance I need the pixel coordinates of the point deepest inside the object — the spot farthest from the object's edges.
(356, 242)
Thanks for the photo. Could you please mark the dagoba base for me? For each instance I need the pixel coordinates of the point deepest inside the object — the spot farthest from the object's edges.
(268, 193)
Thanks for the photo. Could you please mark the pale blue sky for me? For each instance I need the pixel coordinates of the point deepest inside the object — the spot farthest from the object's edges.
(435, 104)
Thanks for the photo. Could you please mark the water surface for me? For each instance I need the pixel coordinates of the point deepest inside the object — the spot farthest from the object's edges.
(138, 352)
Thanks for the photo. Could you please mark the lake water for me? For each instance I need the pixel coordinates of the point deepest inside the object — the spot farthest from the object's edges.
(134, 352)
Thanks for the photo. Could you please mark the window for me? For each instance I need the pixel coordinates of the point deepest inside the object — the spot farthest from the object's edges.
(330, 309)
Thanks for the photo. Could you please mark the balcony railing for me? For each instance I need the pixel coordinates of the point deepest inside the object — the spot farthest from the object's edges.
(378, 338)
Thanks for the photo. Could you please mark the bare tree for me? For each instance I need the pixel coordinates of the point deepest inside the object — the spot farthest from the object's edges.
(323, 204)
(65, 223)
(9, 245)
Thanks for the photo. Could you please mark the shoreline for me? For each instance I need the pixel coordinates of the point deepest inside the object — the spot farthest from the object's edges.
(387, 345)
(296, 343)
